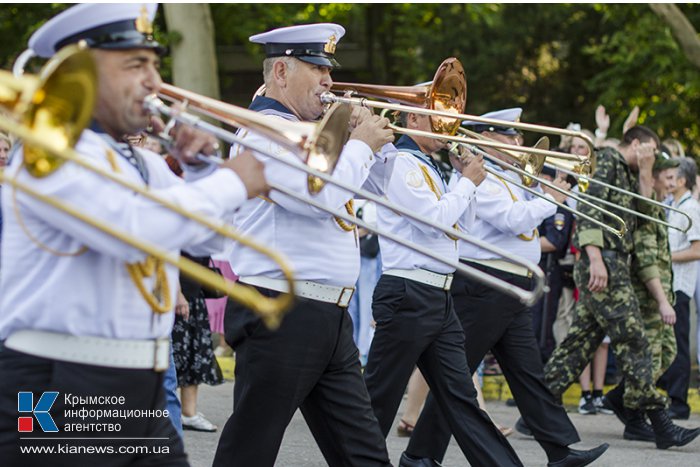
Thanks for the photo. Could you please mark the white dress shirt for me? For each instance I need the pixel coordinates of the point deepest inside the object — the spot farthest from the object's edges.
(318, 249)
(92, 294)
(684, 274)
(500, 220)
(408, 189)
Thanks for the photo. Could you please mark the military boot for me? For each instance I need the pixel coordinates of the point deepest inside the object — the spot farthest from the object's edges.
(637, 428)
(666, 433)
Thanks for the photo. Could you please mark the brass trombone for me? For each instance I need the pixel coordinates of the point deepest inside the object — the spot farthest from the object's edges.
(584, 179)
(319, 144)
(155, 105)
(443, 99)
(53, 114)
(529, 177)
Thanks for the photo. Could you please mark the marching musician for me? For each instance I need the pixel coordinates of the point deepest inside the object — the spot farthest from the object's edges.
(76, 330)
(311, 361)
(505, 216)
(412, 306)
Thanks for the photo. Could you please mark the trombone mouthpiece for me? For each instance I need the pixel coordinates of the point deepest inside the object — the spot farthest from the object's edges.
(328, 98)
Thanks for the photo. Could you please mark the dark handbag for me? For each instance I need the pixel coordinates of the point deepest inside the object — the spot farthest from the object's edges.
(192, 289)
(213, 293)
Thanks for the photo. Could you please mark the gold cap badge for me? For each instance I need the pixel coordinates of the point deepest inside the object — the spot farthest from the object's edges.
(143, 24)
(329, 48)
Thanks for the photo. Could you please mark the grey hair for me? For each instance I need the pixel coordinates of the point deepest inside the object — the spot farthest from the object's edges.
(688, 169)
(269, 63)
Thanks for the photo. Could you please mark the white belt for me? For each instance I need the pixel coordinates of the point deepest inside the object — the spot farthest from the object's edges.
(441, 281)
(501, 265)
(323, 293)
(98, 351)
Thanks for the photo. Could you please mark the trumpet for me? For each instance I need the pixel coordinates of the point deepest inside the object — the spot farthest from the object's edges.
(53, 114)
(154, 104)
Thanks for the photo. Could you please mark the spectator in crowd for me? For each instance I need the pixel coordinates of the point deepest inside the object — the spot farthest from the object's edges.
(685, 251)
(675, 147)
(554, 235)
(590, 402)
(193, 351)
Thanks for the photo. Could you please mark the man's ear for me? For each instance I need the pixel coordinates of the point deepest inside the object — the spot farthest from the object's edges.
(279, 73)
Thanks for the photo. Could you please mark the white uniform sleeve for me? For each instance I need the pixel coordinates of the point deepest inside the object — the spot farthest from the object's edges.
(496, 206)
(135, 215)
(408, 188)
(353, 167)
(381, 171)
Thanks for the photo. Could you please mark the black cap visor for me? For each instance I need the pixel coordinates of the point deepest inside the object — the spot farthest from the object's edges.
(310, 53)
(121, 35)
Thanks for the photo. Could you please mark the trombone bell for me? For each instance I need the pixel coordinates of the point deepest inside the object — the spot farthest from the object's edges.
(56, 106)
(447, 92)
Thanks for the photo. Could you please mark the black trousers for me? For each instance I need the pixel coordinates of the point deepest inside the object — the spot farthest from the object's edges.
(494, 321)
(310, 363)
(141, 389)
(676, 380)
(416, 323)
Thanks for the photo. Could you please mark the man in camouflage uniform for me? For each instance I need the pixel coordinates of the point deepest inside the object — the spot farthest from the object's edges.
(652, 279)
(607, 301)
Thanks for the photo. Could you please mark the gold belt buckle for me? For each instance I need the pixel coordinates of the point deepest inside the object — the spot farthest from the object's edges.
(448, 282)
(351, 290)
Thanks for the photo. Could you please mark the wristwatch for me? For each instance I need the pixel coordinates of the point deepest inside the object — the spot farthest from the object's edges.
(600, 133)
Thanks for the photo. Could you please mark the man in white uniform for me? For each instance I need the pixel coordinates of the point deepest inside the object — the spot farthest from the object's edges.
(311, 362)
(77, 335)
(507, 216)
(412, 305)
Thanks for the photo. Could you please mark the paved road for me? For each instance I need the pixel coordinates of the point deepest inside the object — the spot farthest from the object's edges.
(300, 450)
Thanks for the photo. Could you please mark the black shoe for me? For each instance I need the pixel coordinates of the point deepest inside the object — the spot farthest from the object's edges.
(678, 414)
(577, 458)
(637, 428)
(617, 407)
(410, 461)
(522, 427)
(667, 434)
(511, 403)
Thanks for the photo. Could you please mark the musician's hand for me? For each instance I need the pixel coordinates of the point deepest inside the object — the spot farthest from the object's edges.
(359, 114)
(187, 142)
(251, 172)
(458, 162)
(373, 131)
(558, 196)
(598, 275)
(474, 169)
